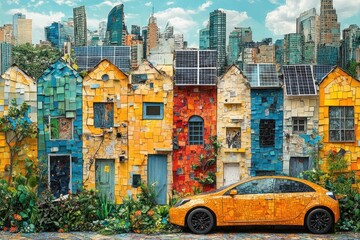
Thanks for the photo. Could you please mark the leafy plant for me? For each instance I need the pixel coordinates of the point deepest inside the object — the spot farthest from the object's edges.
(105, 207)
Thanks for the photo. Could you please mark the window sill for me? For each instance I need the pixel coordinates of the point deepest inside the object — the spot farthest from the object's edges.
(235, 150)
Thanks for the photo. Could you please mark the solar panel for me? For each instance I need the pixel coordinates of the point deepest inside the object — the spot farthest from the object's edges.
(262, 75)
(320, 71)
(299, 80)
(195, 67)
(88, 57)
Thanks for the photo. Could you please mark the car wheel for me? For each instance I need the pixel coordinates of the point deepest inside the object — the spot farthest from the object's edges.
(319, 221)
(200, 221)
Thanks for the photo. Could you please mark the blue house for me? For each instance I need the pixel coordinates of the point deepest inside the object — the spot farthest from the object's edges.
(266, 119)
(59, 96)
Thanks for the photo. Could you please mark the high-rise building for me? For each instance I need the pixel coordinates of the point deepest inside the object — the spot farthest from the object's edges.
(152, 34)
(102, 30)
(266, 54)
(328, 54)
(293, 48)
(349, 45)
(237, 38)
(135, 30)
(217, 32)
(6, 34)
(329, 26)
(5, 56)
(307, 24)
(204, 38)
(59, 33)
(279, 51)
(115, 30)
(80, 26)
(168, 32)
(144, 32)
(22, 29)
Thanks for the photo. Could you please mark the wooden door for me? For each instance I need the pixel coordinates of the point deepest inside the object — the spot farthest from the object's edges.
(157, 174)
(105, 174)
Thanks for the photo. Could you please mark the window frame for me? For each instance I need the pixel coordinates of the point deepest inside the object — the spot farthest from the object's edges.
(296, 124)
(195, 120)
(251, 182)
(277, 186)
(263, 133)
(342, 129)
(113, 115)
(61, 139)
(153, 117)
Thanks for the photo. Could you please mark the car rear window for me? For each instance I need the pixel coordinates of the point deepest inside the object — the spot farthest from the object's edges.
(290, 186)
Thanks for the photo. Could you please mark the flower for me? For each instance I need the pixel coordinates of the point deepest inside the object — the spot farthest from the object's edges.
(137, 213)
(60, 230)
(13, 229)
(150, 213)
(17, 217)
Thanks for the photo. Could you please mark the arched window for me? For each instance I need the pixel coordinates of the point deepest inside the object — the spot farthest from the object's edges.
(196, 130)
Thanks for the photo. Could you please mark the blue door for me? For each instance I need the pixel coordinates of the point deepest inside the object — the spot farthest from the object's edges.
(157, 174)
(105, 177)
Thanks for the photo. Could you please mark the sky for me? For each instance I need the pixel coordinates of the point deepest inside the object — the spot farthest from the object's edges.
(267, 18)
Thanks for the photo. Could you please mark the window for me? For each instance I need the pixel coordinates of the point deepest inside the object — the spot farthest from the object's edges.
(299, 125)
(196, 130)
(153, 110)
(61, 128)
(341, 121)
(260, 186)
(289, 186)
(104, 114)
(267, 133)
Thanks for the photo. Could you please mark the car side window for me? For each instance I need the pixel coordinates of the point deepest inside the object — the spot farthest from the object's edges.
(290, 186)
(259, 186)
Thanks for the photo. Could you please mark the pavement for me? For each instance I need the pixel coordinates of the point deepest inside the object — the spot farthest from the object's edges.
(227, 234)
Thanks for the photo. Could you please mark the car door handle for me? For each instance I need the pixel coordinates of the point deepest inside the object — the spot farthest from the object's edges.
(268, 199)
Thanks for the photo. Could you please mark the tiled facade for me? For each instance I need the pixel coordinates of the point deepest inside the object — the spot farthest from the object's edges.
(191, 101)
(339, 89)
(233, 126)
(59, 92)
(266, 131)
(147, 135)
(16, 84)
(298, 110)
(105, 85)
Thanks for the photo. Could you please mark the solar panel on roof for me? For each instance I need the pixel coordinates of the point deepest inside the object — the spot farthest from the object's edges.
(320, 71)
(262, 75)
(87, 57)
(299, 80)
(195, 67)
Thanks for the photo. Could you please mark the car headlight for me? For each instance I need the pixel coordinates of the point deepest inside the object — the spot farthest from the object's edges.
(181, 202)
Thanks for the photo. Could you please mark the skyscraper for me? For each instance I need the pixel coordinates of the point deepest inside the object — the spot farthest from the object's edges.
(80, 26)
(152, 34)
(307, 24)
(115, 30)
(102, 30)
(5, 56)
(329, 26)
(350, 44)
(22, 29)
(237, 38)
(204, 38)
(59, 33)
(6, 34)
(293, 48)
(217, 32)
(17, 16)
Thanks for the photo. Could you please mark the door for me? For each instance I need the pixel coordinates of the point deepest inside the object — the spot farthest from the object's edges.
(59, 174)
(254, 202)
(231, 173)
(298, 165)
(157, 174)
(105, 175)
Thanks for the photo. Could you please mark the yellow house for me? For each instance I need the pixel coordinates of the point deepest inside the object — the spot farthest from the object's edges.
(16, 84)
(105, 130)
(233, 127)
(339, 114)
(150, 109)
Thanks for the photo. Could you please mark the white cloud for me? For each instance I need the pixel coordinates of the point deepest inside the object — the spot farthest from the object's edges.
(234, 19)
(39, 21)
(13, 2)
(170, 3)
(274, 2)
(148, 4)
(93, 24)
(282, 20)
(69, 3)
(205, 5)
(39, 3)
(105, 3)
(179, 18)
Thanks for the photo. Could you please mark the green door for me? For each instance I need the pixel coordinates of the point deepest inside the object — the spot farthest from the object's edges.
(157, 174)
(105, 175)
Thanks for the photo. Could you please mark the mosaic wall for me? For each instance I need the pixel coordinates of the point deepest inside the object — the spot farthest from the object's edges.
(191, 101)
(338, 89)
(233, 125)
(266, 131)
(105, 125)
(16, 84)
(59, 93)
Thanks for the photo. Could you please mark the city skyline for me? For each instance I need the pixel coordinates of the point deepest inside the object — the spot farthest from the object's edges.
(270, 18)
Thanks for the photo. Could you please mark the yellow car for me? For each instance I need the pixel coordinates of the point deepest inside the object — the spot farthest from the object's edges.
(270, 200)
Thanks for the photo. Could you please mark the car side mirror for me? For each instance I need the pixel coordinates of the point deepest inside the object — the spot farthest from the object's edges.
(233, 192)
